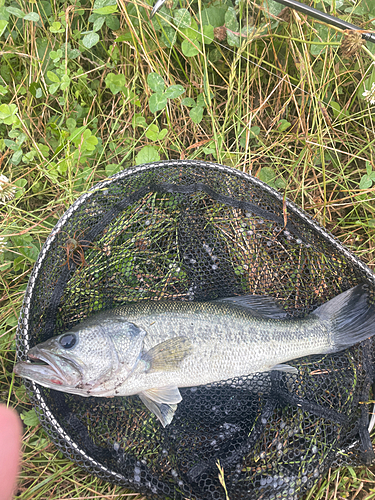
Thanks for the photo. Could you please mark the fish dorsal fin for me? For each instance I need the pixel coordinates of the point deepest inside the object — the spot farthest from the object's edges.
(167, 355)
(162, 402)
(261, 306)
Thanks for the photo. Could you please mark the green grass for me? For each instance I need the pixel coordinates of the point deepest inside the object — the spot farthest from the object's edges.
(283, 103)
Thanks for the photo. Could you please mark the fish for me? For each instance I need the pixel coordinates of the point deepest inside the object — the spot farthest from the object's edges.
(154, 347)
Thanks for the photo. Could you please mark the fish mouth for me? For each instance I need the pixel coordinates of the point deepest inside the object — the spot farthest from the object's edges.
(48, 369)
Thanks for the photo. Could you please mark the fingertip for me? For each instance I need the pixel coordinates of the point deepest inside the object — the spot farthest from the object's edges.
(10, 446)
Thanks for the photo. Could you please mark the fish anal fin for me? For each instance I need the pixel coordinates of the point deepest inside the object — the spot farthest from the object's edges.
(167, 355)
(285, 368)
(168, 394)
(162, 402)
(261, 306)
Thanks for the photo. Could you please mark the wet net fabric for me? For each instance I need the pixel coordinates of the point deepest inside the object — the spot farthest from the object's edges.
(186, 230)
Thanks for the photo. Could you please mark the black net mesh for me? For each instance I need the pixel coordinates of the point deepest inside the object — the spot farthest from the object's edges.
(189, 230)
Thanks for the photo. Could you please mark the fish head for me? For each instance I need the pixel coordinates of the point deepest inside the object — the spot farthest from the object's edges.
(89, 355)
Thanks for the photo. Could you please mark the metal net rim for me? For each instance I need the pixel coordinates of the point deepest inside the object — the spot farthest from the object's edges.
(76, 453)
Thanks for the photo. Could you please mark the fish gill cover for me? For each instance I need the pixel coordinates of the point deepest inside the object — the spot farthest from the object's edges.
(195, 231)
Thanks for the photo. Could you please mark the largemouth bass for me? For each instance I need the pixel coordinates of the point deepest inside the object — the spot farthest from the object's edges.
(151, 348)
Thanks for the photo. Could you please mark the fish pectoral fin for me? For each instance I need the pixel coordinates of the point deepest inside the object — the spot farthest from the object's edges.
(162, 402)
(257, 305)
(284, 368)
(167, 355)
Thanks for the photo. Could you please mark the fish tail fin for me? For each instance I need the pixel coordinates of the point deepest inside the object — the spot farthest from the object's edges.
(352, 315)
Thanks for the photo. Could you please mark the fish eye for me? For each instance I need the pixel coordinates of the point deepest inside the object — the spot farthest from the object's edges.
(68, 341)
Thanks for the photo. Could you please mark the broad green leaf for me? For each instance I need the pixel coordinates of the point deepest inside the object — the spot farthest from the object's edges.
(21, 183)
(139, 121)
(214, 55)
(116, 83)
(192, 33)
(338, 110)
(208, 32)
(30, 418)
(98, 4)
(17, 134)
(273, 8)
(182, 18)
(148, 154)
(369, 168)
(8, 114)
(30, 251)
(209, 151)
(3, 26)
(112, 169)
(365, 182)
(76, 135)
(370, 6)
(35, 90)
(98, 23)
(127, 37)
(105, 11)
(86, 134)
(358, 10)
(71, 124)
(152, 132)
(157, 102)
(90, 143)
(269, 176)
(17, 157)
(11, 144)
(53, 88)
(174, 91)
(62, 167)
(155, 82)
(214, 16)
(169, 36)
(201, 101)
(53, 77)
(112, 22)
(190, 50)
(254, 131)
(196, 114)
(232, 39)
(56, 28)
(65, 82)
(73, 53)
(162, 134)
(56, 54)
(18, 263)
(90, 40)
(160, 21)
(32, 16)
(283, 125)
(323, 32)
(15, 12)
(231, 22)
(189, 102)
